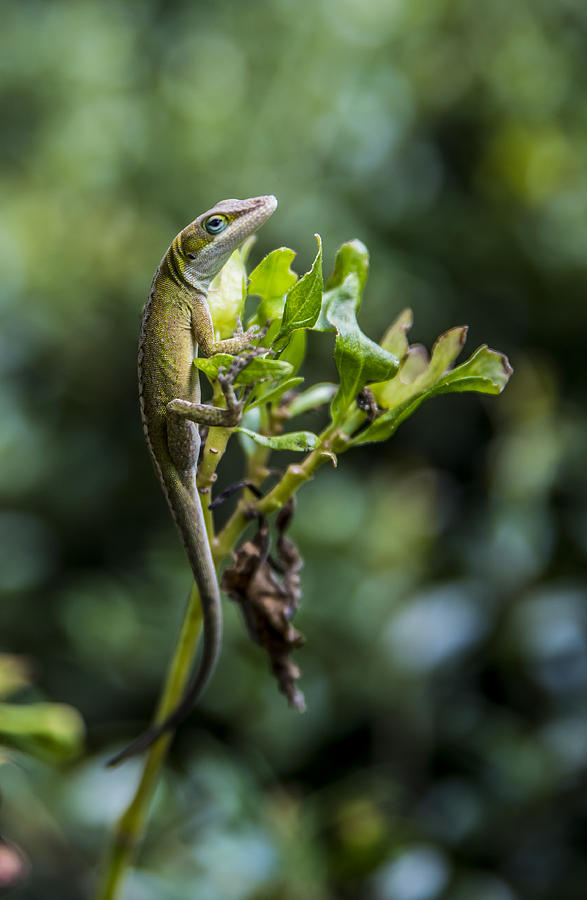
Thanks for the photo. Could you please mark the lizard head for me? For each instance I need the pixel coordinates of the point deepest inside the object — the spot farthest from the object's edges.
(205, 245)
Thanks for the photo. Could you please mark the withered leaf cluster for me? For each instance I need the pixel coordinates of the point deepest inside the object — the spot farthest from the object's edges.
(268, 593)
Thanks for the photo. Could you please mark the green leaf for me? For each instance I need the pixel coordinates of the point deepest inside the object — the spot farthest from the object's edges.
(395, 338)
(226, 296)
(246, 247)
(271, 280)
(273, 276)
(15, 673)
(486, 372)
(359, 360)
(315, 396)
(295, 351)
(414, 364)
(302, 304)
(352, 258)
(293, 440)
(50, 730)
(258, 369)
(417, 372)
(272, 394)
(444, 352)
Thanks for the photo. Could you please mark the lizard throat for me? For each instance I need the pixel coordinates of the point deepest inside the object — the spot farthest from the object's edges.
(184, 275)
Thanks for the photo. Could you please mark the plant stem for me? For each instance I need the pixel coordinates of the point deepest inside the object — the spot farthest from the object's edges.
(331, 441)
(130, 826)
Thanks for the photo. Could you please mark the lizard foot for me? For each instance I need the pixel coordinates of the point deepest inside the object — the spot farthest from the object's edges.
(227, 376)
(240, 362)
(254, 333)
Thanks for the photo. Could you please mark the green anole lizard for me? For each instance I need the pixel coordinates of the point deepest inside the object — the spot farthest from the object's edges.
(176, 327)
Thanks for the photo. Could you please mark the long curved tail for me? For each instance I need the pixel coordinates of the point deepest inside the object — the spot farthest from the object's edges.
(186, 508)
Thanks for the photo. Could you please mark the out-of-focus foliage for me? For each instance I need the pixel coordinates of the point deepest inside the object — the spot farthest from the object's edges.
(444, 749)
(52, 731)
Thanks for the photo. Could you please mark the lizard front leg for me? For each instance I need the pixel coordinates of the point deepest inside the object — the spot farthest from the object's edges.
(203, 332)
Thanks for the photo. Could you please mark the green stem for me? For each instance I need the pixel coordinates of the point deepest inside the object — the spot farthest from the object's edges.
(130, 826)
(331, 442)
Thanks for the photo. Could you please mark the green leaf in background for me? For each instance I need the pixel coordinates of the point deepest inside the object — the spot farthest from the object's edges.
(15, 673)
(315, 396)
(359, 360)
(303, 301)
(226, 296)
(352, 258)
(271, 394)
(260, 368)
(294, 440)
(418, 378)
(51, 731)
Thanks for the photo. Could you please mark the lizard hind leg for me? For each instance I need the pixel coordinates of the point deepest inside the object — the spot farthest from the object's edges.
(183, 443)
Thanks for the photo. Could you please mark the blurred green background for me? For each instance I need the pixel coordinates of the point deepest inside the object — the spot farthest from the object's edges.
(444, 750)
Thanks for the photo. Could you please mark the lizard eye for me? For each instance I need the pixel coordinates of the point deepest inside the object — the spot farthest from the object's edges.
(215, 224)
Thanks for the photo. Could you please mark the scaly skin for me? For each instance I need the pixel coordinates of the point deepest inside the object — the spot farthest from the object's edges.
(176, 327)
